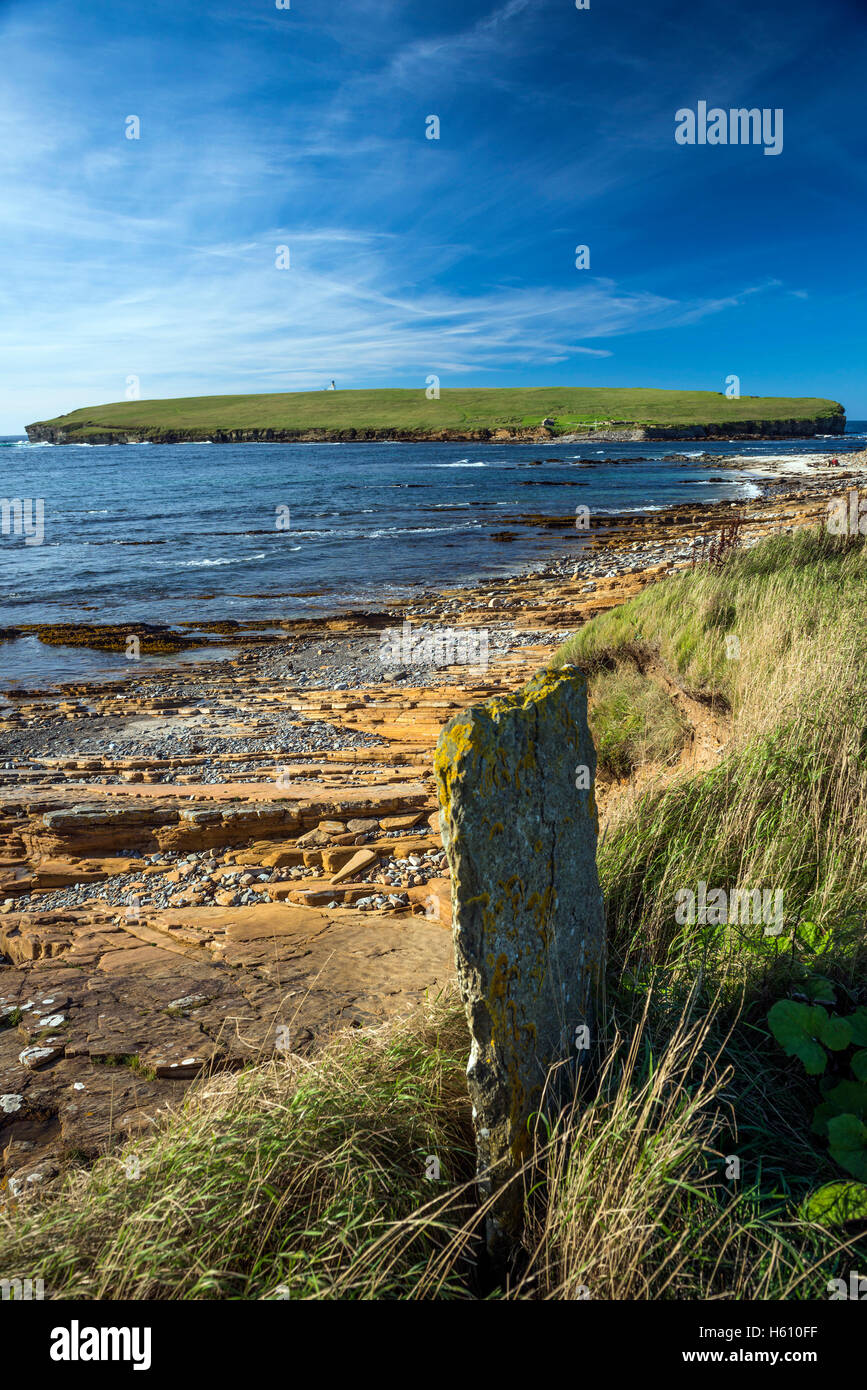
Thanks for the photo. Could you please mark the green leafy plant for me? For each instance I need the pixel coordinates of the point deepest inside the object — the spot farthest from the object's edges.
(859, 1064)
(847, 1144)
(807, 1031)
(836, 1203)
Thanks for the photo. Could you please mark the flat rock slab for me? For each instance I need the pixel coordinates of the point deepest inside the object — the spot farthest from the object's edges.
(140, 1021)
(386, 792)
(363, 860)
(515, 778)
(138, 958)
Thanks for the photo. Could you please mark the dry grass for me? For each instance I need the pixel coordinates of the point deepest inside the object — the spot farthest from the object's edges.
(786, 807)
(276, 1181)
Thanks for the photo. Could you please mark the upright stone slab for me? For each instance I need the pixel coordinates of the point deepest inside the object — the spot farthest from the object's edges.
(515, 779)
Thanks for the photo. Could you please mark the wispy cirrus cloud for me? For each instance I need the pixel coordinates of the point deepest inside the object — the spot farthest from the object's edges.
(249, 326)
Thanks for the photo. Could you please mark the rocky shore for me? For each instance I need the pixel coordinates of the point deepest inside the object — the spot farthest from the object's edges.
(206, 866)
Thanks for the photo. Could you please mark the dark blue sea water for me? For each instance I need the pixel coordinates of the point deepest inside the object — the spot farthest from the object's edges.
(166, 532)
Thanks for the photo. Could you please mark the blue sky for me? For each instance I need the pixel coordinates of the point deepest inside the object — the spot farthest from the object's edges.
(305, 127)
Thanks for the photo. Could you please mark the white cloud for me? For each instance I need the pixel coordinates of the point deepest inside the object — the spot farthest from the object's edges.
(223, 318)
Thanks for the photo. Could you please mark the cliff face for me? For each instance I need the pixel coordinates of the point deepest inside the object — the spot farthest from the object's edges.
(54, 434)
(743, 429)
(747, 429)
(754, 429)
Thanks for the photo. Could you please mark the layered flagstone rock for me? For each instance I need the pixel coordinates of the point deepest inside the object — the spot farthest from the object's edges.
(167, 849)
(515, 780)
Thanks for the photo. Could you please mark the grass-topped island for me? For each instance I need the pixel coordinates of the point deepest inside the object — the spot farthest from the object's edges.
(492, 413)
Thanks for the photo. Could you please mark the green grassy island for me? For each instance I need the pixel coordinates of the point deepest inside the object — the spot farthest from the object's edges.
(492, 413)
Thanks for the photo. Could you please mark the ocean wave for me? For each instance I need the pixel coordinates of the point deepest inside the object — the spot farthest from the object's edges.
(345, 533)
(422, 530)
(221, 560)
(462, 463)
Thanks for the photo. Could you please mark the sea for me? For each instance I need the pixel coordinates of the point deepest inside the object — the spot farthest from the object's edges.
(200, 532)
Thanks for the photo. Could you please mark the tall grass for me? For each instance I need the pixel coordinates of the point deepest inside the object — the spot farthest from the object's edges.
(786, 807)
(311, 1180)
(277, 1181)
(638, 1200)
(632, 721)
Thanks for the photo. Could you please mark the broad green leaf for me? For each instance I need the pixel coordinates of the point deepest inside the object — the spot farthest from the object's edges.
(821, 1115)
(847, 1144)
(848, 1098)
(819, 990)
(859, 1064)
(858, 1026)
(835, 1032)
(836, 1203)
(816, 939)
(797, 1028)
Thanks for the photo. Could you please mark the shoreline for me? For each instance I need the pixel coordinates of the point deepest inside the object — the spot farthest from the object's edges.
(196, 858)
(616, 543)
